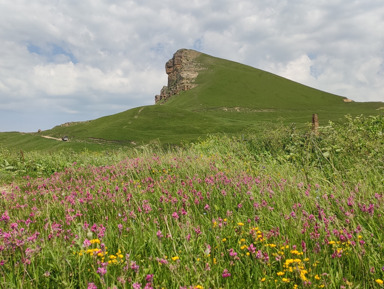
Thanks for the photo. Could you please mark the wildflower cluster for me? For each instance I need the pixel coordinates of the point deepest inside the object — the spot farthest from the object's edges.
(200, 220)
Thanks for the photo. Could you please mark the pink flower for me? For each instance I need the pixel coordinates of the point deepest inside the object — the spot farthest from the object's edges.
(102, 271)
(159, 234)
(5, 217)
(136, 285)
(134, 266)
(86, 243)
(91, 286)
(252, 249)
(226, 273)
(232, 253)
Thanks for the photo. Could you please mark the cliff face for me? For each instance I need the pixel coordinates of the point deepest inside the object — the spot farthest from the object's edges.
(182, 70)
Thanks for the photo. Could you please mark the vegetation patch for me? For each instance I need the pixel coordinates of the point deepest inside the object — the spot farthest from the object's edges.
(283, 209)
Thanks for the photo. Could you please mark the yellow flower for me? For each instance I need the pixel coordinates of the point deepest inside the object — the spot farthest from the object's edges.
(224, 240)
(317, 277)
(175, 258)
(199, 287)
(262, 280)
(240, 224)
(286, 280)
(331, 242)
(379, 281)
(280, 273)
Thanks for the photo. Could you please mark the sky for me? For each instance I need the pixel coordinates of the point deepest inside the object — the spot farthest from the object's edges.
(71, 60)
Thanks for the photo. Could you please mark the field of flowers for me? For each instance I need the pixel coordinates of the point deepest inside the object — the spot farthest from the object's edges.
(223, 213)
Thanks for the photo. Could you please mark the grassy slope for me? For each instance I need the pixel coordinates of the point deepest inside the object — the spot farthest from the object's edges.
(230, 98)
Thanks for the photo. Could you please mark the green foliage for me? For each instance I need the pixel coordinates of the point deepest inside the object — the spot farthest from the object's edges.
(312, 206)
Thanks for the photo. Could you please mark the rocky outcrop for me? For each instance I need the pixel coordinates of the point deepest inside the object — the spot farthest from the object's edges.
(182, 70)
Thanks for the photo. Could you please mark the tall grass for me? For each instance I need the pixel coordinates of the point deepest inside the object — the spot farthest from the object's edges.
(283, 210)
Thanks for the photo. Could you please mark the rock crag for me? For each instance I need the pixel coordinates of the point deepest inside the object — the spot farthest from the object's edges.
(182, 70)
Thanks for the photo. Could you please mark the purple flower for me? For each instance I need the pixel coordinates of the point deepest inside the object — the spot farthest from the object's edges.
(136, 285)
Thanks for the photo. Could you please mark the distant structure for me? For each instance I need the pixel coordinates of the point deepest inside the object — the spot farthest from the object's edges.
(182, 70)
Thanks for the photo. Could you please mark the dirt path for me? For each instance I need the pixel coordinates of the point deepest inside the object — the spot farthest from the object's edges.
(51, 137)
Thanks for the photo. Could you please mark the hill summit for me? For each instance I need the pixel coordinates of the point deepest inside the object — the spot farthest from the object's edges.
(182, 70)
(205, 95)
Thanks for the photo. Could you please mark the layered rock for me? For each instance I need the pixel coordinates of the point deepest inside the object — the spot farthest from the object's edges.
(182, 70)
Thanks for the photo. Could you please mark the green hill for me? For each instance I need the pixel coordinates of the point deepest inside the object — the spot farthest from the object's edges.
(229, 98)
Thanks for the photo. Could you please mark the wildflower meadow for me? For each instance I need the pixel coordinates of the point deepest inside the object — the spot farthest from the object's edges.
(285, 210)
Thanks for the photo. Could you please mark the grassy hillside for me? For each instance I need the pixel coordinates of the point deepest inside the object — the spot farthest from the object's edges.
(230, 97)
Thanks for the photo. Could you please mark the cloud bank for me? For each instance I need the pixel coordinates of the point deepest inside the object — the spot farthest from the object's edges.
(77, 60)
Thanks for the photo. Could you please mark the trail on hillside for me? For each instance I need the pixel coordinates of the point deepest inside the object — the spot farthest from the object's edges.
(51, 137)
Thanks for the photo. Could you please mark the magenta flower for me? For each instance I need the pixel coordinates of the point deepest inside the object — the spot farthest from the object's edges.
(232, 253)
(102, 271)
(252, 249)
(226, 274)
(136, 285)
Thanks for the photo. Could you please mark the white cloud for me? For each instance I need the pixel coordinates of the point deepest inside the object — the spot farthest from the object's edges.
(92, 58)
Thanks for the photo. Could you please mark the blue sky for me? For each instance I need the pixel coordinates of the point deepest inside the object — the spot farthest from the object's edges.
(66, 61)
